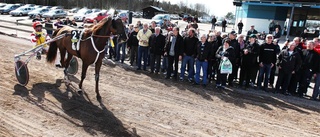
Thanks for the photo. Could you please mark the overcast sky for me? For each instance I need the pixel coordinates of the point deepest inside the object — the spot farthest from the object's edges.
(217, 7)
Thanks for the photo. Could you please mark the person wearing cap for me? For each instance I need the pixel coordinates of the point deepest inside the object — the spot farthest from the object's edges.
(133, 44)
(249, 62)
(156, 42)
(289, 62)
(224, 52)
(267, 60)
(236, 62)
(251, 31)
(189, 52)
(273, 69)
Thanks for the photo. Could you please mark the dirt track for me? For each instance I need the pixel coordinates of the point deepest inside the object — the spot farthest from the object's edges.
(138, 101)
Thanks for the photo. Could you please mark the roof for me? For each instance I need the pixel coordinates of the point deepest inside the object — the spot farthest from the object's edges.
(155, 8)
(281, 3)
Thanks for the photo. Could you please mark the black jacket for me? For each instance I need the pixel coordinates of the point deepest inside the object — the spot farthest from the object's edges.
(177, 47)
(189, 47)
(224, 23)
(157, 44)
(268, 53)
(252, 57)
(49, 27)
(310, 58)
(203, 52)
(229, 53)
(133, 41)
(240, 25)
(219, 39)
(289, 63)
(214, 47)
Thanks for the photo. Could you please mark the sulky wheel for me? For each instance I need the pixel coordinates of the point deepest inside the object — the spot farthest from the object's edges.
(73, 66)
(22, 73)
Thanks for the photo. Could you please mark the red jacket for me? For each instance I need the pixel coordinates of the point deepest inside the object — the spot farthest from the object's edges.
(317, 48)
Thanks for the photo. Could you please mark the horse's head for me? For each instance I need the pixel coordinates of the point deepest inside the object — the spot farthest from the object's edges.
(119, 28)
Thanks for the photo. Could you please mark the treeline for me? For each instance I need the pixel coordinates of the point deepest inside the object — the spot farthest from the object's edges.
(134, 5)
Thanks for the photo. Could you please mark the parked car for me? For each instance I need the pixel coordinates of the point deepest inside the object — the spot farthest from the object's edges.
(81, 14)
(22, 11)
(160, 18)
(58, 13)
(96, 16)
(40, 12)
(175, 17)
(123, 15)
(56, 7)
(9, 7)
(73, 10)
(2, 5)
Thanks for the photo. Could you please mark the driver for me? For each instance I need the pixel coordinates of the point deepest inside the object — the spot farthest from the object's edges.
(38, 37)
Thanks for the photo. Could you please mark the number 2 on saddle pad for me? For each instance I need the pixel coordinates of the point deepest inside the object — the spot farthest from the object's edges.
(74, 38)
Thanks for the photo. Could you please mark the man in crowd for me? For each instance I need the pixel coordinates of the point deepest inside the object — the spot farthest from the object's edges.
(156, 43)
(58, 24)
(271, 27)
(173, 52)
(213, 23)
(224, 25)
(240, 26)
(143, 37)
(251, 31)
(133, 44)
(289, 62)
(202, 57)
(235, 64)
(188, 50)
(267, 59)
(249, 56)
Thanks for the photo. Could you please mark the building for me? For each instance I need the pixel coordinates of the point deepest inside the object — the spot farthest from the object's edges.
(150, 11)
(292, 15)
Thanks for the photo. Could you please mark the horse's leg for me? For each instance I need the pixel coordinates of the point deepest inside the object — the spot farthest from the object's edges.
(62, 56)
(66, 77)
(83, 76)
(97, 67)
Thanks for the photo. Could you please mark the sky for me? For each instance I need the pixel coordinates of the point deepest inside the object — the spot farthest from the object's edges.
(217, 7)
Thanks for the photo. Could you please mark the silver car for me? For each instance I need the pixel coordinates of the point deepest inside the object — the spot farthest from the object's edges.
(22, 11)
(53, 14)
(39, 11)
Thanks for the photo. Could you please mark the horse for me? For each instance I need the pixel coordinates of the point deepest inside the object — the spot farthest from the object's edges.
(91, 47)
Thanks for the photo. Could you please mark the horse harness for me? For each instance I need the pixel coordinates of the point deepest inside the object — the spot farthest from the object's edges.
(75, 40)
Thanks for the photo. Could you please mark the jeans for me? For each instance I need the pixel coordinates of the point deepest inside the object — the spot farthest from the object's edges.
(155, 58)
(123, 46)
(213, 26)
(190, 61)
(164, 65)
(142, 53)
(304, 81)
(223, 29)
(316, 87)
(239, 31)
(264, 72)
(272, 75)
(204, 66)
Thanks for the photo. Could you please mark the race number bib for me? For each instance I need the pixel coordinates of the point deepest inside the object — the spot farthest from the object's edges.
(74, 38)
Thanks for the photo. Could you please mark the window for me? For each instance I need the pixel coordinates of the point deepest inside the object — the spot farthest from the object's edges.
(294, 23)
(301, 23)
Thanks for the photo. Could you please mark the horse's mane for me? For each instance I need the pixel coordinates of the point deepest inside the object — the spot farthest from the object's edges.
(96, 28)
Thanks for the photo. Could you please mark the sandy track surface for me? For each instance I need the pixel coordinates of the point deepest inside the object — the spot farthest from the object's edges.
(135, 103)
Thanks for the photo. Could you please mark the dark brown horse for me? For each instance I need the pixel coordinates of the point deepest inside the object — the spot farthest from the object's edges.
(91, 47)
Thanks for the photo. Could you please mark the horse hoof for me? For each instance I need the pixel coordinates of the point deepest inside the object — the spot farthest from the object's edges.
(99, 98)
(80, 92)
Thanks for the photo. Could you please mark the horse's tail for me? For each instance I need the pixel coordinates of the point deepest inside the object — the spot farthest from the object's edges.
(52, 52)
